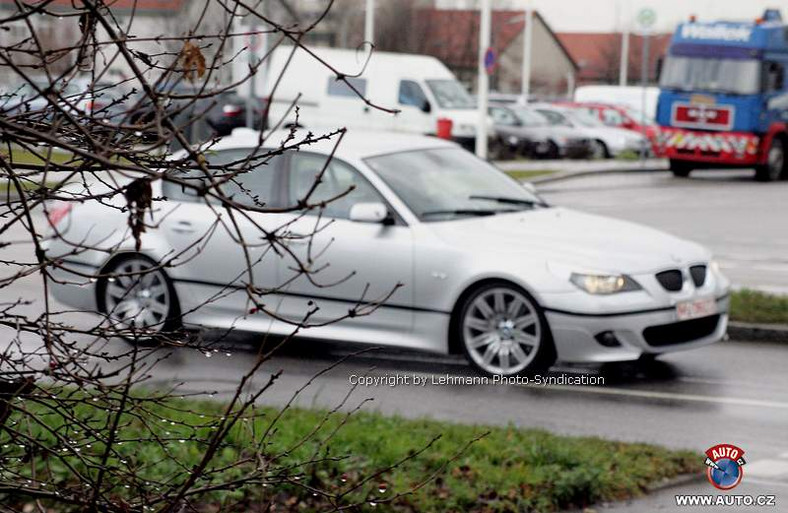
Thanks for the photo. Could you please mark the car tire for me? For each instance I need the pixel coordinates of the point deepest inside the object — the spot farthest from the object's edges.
(132, 283)
(503, 331)
(553, 152)
(680, 169)
(774, 169)
(599, 150)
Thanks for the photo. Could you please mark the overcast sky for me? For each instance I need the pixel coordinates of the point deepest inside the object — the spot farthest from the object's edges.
(609, 15)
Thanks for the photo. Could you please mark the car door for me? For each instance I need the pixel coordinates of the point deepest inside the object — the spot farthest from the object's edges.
(415, 109)
(218, 252)
(344, 104)
(351, 265)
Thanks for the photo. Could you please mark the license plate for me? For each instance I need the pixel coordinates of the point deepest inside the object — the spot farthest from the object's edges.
(695, 309)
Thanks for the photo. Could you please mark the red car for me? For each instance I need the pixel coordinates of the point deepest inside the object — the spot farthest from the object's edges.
(621, 116)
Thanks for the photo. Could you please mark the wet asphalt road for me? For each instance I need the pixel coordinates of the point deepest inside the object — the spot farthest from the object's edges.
(745, 223)
(735, 391)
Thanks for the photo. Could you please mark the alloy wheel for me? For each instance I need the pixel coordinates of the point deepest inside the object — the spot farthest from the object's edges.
(136, 296)
(502, 330)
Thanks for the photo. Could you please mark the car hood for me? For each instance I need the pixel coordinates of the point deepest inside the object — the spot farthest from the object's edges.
(559, 235)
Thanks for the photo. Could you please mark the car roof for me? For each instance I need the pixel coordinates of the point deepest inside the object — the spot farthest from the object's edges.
(357, 144)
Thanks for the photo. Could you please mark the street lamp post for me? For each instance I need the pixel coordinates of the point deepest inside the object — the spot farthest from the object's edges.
(528, 36)
(369, 22)
(483, 82)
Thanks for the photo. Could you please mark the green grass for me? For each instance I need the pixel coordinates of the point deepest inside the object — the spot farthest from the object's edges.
(758, 307)
(510, 469)
(27, 185)
(528, 174)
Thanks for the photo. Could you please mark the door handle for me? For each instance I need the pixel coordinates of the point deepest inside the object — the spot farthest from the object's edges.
(183, 226)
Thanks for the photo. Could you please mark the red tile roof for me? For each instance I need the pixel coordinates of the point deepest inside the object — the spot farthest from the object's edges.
(598, 54)
(452, 35)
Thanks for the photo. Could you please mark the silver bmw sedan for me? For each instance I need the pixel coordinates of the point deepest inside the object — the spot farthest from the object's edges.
(429, 247)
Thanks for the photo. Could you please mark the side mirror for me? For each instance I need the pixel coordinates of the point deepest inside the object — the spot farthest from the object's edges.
(369, 213)
(426, 107)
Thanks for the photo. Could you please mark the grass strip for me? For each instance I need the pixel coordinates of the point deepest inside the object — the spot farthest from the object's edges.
(757, 307)
(510, 469)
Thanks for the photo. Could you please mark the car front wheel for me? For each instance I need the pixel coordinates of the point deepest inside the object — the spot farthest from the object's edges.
(138, 298)
(503, 331)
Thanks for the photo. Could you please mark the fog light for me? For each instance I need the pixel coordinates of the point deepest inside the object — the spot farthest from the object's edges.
(607, 339)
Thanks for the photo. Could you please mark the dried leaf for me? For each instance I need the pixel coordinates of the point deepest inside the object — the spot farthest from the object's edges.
(139, 197)
(192, 60)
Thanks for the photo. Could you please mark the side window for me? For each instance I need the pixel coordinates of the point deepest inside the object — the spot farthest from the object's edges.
(555, 118)
(337, 179)
(774, 78)
(410, 93)
(341, 88)
(245, 178)
(503, 116)
(612, 117)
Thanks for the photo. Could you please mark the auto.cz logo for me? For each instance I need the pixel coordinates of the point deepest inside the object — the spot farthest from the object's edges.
(725, 462)
(726, 500)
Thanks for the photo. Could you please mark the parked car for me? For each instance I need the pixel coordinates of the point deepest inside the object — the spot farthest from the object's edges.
(488, 269)
(621, 116)
(421, 87)
(522, 131)
(203, 113)
(631, 96)
(606, 142)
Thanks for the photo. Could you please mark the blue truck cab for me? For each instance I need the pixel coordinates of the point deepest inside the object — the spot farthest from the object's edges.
(724, 96)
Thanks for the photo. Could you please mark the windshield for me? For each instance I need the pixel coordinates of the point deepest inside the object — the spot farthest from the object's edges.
(450, 94)
(450, 183)
(530, 117)
(733, 76)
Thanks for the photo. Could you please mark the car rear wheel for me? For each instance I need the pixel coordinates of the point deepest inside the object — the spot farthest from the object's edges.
(680, 169)
(599, 150)
(774, 169)
(503, 331)
(138, 298)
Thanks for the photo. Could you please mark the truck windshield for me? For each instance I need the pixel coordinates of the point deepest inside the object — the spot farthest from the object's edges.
(733, 76)
(450, 94)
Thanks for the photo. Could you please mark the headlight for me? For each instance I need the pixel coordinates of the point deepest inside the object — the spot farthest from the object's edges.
(561, 140)
(604, 284)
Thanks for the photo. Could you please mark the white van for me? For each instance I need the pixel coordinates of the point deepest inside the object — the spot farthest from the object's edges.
(631, 96)
(419, 86)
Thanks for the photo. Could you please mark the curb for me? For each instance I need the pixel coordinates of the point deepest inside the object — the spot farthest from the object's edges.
(568, 175)
(776, 333)
(674, 482)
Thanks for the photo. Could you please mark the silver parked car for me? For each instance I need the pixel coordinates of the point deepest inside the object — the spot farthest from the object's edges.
(487, 268)
(606, 141)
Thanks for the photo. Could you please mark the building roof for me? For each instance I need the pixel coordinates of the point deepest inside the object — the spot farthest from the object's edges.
(597, 54)
(452, 35)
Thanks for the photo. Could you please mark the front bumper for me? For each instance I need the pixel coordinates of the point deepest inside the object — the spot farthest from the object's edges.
(723, 148)
(637, 333)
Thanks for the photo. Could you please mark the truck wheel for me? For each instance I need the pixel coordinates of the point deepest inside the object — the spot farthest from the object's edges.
(680, 169)
(774, 169)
